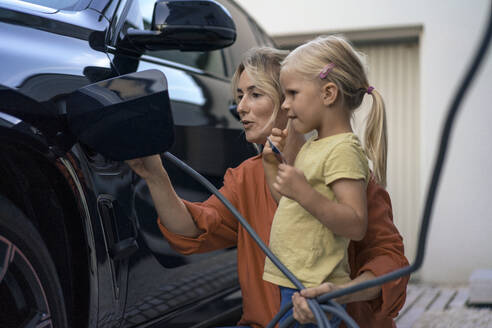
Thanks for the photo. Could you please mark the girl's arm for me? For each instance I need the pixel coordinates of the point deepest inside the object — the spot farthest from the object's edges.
(270, 174)
(346, 217)
(171, 210)
(270, 161)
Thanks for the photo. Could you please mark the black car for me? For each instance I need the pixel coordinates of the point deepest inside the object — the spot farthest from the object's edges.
(79, 241)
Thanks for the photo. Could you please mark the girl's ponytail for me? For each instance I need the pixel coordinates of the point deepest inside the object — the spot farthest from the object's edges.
(376, 140)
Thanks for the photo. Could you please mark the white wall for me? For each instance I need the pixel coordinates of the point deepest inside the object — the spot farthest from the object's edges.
(461, 233)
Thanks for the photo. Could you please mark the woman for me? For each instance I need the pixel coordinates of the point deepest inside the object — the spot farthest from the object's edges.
(202, 227)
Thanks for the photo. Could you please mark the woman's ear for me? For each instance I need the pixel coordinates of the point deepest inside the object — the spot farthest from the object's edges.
(329, 93)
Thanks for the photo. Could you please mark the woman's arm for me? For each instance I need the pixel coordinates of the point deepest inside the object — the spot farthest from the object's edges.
(171, 210)
(380, 252)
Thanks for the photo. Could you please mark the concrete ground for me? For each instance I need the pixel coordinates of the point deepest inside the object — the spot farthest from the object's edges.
(431, 306)
(456, 318)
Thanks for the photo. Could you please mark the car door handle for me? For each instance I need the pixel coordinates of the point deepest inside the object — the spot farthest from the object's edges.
(123, 249)
(120, 236)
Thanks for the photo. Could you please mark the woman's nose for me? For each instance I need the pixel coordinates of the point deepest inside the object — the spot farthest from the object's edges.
(242, 106)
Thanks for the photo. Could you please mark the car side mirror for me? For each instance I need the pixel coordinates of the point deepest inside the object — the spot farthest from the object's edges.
(196, 25)
(124, 117)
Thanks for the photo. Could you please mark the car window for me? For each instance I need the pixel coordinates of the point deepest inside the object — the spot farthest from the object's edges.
(261, 36)
(55, 4)
(245, 38)
(209, 61)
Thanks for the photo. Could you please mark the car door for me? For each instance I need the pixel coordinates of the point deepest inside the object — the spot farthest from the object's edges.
(51, 51)
(163, 284)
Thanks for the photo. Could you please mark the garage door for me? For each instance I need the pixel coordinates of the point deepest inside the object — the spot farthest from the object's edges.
(394, 71)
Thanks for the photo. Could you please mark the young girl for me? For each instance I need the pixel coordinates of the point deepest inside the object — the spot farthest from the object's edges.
(324, 194)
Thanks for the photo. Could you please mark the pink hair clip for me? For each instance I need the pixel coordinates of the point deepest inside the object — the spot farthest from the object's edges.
(327, 69)
(369, 90)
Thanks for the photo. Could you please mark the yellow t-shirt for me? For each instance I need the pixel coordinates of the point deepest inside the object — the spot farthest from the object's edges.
(307, 248)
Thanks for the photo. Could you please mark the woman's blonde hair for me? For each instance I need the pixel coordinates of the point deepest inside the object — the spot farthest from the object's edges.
(263, 67)
(348, 73)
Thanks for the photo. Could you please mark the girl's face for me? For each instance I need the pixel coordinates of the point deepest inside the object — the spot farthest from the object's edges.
(255, 109)
(303, 101)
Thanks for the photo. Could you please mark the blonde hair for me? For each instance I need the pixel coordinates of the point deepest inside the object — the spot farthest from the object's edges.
(349, 75)
(263, 67)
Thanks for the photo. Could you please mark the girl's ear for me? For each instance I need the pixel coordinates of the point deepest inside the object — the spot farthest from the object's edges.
(329, 93)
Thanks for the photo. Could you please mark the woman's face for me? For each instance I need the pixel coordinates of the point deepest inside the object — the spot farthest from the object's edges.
(255, 109)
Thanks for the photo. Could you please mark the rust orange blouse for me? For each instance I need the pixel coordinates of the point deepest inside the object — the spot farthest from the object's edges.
(381, 250)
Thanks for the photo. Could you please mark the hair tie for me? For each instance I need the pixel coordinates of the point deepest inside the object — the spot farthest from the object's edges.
(369, 90)
(327, 69)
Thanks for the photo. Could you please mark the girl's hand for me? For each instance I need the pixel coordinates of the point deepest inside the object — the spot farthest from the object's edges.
(301, 311)
(290, 182)
(147, 167)
(278, 138)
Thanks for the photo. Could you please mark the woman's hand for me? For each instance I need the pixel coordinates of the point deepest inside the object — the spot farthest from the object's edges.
(171, 210)
(301, 311)
(147, 167)
(291, 182)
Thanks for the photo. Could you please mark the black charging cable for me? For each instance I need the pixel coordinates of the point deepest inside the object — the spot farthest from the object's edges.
(328, 305)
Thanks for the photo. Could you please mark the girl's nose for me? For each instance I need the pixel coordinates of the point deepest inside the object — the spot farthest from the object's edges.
(285, 105)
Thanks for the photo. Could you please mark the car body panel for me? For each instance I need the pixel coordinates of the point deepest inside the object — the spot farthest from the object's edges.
(47, 54)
